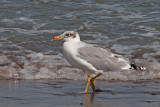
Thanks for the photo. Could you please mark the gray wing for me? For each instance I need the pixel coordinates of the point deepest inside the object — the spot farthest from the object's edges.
(100, 58)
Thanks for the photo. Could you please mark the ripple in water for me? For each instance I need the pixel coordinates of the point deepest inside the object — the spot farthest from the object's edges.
(127, 28)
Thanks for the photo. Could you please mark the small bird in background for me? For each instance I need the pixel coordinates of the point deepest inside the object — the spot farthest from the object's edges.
(93, 60)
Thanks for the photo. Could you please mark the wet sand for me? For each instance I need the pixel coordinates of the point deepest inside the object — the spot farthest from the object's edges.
(47, 93)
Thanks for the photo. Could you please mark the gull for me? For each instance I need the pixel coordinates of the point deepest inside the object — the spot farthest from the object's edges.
(92, 59)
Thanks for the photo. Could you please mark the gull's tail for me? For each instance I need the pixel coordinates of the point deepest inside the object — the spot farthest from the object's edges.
(135, 67)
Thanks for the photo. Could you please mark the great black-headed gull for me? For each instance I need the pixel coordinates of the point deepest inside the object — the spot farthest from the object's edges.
(91, 58)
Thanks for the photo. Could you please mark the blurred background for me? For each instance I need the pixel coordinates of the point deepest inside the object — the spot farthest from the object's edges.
(129, 28)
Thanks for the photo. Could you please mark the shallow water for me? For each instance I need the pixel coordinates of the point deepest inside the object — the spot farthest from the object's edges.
(65, 94)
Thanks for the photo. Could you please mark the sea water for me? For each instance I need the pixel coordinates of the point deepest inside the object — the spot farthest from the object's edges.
(128, 28)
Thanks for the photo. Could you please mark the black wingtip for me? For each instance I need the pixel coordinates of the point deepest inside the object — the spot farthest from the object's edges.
(135, 67)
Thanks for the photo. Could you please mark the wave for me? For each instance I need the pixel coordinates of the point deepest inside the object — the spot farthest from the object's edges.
(41, 66)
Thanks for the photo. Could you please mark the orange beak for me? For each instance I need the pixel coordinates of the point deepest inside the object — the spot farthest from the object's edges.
(57, 38)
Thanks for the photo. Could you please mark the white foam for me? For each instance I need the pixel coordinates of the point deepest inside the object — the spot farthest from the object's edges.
(41, 66)
(24, 19)
(36, 56)
(123, 49)
(7, 20)
(8, 72)
(44, 73)
(149, 34)
(4, 59)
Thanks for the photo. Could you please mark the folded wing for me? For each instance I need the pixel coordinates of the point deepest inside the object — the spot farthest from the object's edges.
(102, 59)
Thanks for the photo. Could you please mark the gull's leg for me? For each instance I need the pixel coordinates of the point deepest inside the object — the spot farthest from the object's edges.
(88, 81)
(92, 81)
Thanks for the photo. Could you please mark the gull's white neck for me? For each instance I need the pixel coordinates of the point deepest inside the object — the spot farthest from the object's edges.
(71, 45)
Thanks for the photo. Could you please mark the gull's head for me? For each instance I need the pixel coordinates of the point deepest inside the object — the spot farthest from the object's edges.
(68, 36)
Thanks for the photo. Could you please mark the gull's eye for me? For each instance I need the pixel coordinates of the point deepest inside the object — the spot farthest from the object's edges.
(67, 34)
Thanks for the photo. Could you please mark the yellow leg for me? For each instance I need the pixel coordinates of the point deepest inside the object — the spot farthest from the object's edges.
(92, 81)
(88, 81)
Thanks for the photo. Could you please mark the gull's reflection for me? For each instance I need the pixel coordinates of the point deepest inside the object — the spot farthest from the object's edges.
(90, 100)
